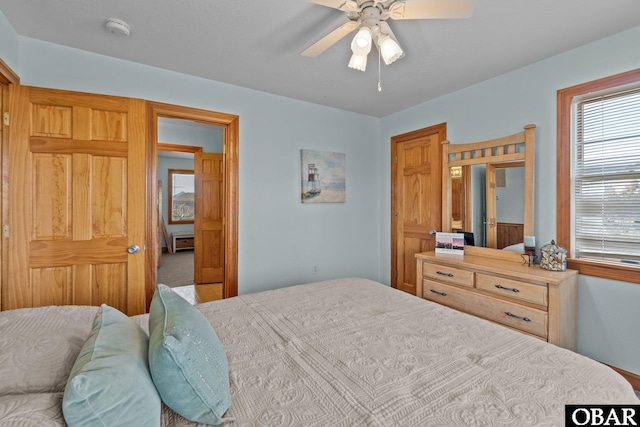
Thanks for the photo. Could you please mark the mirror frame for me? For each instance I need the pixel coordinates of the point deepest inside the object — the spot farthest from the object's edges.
(491, 152)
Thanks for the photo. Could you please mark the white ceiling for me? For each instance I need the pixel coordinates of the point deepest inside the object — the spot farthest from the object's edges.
(257, 43)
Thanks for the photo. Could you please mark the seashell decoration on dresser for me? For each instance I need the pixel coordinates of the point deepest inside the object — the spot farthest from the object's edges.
(553, 257)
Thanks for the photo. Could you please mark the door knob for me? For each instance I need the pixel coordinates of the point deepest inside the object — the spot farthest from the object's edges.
(133, 249)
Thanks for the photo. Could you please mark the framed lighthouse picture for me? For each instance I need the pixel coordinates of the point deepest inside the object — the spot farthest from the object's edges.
(323, 177)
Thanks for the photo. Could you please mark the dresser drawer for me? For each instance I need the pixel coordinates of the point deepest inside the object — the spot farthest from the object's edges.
(535, 294)
(514, 315)
(447, 274)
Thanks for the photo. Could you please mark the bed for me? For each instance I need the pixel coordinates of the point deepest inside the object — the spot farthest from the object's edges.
(346, 352)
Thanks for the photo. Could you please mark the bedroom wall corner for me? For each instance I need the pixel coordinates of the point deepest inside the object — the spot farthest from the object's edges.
(9, 48)
(501, 106)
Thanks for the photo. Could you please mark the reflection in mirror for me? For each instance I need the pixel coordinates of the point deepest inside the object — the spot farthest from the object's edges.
(505, 204)
(510, 195)
(478, 204)
(181, 196)
(458, 199)
(496, 225)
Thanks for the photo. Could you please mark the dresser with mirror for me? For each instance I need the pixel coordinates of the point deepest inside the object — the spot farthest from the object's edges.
(493, 278)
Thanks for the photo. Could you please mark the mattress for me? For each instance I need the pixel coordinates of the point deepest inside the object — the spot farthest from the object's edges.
(347, 352)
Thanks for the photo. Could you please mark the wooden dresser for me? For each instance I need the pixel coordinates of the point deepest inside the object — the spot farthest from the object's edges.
(525, 298)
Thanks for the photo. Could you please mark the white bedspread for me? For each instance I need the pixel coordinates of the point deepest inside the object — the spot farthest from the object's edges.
(353, 352)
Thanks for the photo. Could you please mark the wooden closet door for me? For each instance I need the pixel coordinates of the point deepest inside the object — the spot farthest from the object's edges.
(76, 200)
(416, 193)
(209, 215)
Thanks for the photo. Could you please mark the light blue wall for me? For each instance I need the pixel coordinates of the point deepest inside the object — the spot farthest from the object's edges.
(183, 132)
(8, 44)
(279, 238)
(510, 199)
(608, 312)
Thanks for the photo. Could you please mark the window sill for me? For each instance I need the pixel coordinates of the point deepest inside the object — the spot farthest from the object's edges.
(605, 270)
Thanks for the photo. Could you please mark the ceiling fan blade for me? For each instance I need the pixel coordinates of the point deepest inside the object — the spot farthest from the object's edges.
(344, 5)
(431, 9)
(330, 39)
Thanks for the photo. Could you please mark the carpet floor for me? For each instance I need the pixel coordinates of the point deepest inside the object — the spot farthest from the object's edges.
(176, 269)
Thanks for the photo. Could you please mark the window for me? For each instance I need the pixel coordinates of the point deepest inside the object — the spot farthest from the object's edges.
(606, 171)
(181, 196)
(599, 176)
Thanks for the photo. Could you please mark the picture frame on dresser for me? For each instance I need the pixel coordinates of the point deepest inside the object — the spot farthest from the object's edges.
(450, 243)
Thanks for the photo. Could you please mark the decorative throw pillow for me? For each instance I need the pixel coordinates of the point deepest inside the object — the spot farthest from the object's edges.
(187, 361)
(110, 383)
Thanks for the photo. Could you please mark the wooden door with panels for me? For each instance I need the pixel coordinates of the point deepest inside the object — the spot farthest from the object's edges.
(209, 224)
(416, 193)
(76, 204)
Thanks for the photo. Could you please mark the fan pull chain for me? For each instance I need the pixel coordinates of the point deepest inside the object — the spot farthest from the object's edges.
(379, 72)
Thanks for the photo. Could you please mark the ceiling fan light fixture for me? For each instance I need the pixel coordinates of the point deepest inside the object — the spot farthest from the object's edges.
(370, 17)
(358, 62)
(389, 49)
(361, 43)
(360, 46)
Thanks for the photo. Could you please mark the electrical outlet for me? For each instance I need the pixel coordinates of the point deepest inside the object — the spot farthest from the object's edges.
(314, 270)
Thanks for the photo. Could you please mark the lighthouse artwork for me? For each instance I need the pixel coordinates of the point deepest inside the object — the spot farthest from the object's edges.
(313, 181)
(323, 177)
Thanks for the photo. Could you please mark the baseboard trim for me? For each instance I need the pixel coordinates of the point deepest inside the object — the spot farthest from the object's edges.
(632, 378)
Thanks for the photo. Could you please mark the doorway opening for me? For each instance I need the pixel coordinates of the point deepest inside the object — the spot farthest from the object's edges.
(173, 130)
(181, 140)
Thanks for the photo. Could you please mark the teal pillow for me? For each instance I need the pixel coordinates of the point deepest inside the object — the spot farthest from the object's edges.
(187, 361)
(110, 383)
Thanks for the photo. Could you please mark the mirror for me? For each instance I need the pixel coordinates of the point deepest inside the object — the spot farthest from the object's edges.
(181, 196)
(494, 225)
(488, 189)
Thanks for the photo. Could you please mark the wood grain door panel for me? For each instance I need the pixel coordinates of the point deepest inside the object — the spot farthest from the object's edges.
(209, 218)
(416, 193)
(77, 200)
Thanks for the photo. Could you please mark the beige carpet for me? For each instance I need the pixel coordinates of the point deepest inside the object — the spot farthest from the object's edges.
(176, 269)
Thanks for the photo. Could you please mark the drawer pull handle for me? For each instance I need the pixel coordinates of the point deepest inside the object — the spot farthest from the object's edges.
(526, 319)
(444, 274)
(508, 289)
(439, 293)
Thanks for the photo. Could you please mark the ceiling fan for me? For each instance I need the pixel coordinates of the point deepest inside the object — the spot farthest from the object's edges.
(369, 18)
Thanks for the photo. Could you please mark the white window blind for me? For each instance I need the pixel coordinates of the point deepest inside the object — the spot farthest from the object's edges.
(606, 172)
